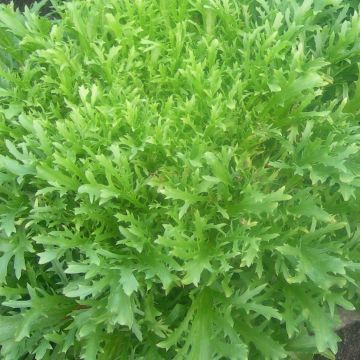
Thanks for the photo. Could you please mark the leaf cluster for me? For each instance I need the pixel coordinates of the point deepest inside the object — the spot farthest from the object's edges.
(178, 179)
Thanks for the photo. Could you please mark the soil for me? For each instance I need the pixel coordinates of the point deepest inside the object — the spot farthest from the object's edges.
(20, 4)
(349, 347)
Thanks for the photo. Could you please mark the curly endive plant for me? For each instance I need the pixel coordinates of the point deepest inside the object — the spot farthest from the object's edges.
(179, 179)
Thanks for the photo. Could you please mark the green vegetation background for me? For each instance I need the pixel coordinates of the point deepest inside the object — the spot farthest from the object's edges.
(178, 179)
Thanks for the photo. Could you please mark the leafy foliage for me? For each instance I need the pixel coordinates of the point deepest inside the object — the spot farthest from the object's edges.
(179, 179)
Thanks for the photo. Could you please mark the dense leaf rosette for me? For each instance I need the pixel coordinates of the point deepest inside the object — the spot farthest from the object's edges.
(178, 179)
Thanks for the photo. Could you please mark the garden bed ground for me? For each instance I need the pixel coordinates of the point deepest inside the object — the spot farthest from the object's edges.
(349, 348)
(21, 4)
